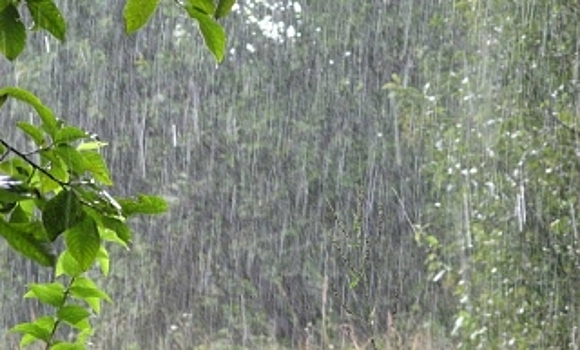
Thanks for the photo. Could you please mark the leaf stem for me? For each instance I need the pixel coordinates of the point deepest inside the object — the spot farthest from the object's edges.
(58, 321)
(23, 156)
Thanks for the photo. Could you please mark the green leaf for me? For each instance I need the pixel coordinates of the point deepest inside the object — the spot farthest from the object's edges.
(19, 215)
(83, 288)
(29, 208)
(62, 212)
(68, 265)
(12, 35)
(137, 13)
(69, 134)
(73, 159)
(95, 163)
(94, 303)
(83, 242)
(67, 346)
(88, 293)
(14, 188)
(16, 167)
(120, 229)
(48, 293)
(143, 204)
(50, 123)
(27, 339)
(85, 333)
(223, 8)
(57, 168)
(111, 236)
(33, 228)
(40, 329)
(46, 15)
(26, 244)
(15, 180)
(111, 227)
(212, 32)
(83, 326)
(98, 204)
(91, 146)
(34, 132)
(205, 6)
(4, 3)
(72, 314)
(104, 260)
(6, 207)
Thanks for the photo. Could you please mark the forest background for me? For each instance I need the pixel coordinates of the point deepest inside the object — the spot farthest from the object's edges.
(397, 173)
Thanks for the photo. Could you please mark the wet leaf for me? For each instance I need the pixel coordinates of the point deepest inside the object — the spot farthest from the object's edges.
(47, 293)
(95, 163)
(85, 288)
(83, 242)
(50, 123)
(33, 131)
(40, 329)
(72, 158)
(68, 265)
(212, 32)
(90, 146)
(223, 8)
(99, 205)
(12, 189)
(12, 35)
(56, 167)
(205, 6)
(68, 346)
(46, 15)
(72, 314)
(143, 204)
(122, 233)
(104, 261)
(26, 244)
(69, 134)
(62, 212)
(137, 13)
(19, 215)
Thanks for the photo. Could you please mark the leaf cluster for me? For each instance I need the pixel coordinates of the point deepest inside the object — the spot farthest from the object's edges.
(46, 15)
(54, 205)
(59, 190)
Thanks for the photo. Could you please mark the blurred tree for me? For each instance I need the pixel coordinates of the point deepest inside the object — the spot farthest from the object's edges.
(350, 162)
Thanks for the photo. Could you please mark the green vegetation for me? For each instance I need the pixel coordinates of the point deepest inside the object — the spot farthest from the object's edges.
(54, 202)
(396, 174)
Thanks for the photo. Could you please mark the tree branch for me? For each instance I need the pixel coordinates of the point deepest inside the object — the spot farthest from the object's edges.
(32, 164)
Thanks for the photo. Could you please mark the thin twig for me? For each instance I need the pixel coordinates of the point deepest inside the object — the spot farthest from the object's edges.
(3, 156)
(33, 164)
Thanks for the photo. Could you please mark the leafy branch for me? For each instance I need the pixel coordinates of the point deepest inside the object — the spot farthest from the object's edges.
(24, 157)
(61, 193)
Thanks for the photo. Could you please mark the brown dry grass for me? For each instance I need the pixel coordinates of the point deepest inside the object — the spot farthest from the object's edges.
(421, 338)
